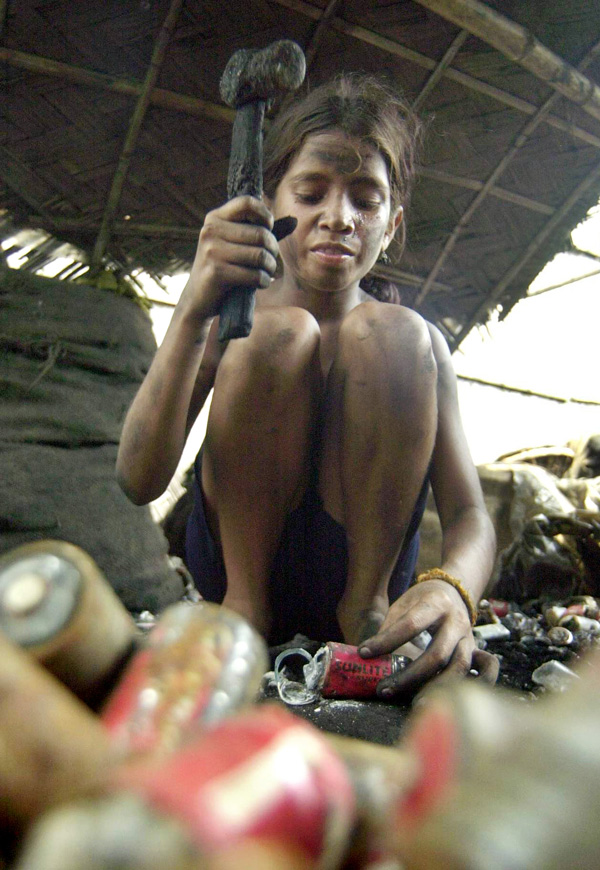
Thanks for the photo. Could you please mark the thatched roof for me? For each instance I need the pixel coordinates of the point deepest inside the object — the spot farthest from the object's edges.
(114, 136)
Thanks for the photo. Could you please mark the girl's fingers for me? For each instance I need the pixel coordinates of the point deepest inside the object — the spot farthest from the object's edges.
(216, 232)
(402, 629)
(435, 659)
(487, 666)
(460, 663)
(248, 256)
(246, 209)
(240, 276)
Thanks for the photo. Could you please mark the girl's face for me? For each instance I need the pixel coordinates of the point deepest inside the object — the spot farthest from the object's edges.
(338, 189)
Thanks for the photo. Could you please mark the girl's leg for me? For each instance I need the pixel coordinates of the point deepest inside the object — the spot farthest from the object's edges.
(255, 465)
(379, 434)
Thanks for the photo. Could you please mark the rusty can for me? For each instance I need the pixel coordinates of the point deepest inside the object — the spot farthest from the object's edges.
(336, 671)
(347, 675)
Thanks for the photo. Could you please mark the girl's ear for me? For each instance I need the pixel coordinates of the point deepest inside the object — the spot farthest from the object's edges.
(394, 222)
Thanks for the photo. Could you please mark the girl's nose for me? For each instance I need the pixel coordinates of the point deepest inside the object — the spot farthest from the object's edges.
(338, 215)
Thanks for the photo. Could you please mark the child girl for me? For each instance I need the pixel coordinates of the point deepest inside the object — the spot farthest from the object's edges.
(330, 420)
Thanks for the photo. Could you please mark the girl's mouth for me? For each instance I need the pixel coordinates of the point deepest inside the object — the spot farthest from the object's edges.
(332, 253)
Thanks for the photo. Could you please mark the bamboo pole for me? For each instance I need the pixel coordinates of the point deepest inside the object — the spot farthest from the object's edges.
(127, 87)
(520, 45)
(135, 125)
(395, 48)
(446, 61)
(315, 42)
(169, 231)
(515, 149)
(474, 184)
(393, 273)
(566, 283)
(561, 399)
(204, 108)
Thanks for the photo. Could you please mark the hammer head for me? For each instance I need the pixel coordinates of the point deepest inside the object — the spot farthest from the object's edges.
(263, 74)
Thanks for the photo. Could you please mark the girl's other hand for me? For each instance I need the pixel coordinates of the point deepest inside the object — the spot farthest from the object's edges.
(435, 607)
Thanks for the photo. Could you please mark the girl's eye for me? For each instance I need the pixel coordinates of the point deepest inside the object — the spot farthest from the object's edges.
(309, 198)
(367, 203)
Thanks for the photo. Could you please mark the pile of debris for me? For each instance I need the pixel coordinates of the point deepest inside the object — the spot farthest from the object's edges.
(537, 642)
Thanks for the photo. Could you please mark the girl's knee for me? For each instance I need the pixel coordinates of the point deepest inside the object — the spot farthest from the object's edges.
(284, 338)
(280, 330)
(385, 328)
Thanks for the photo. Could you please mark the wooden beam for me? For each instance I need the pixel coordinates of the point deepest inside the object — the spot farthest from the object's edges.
(525, 392)
(315, 41)
(520, 45)
(446, 61)
(483, 310)
(128, 87)
(515, 149)
(474, 184)
(392, 47)
(135, 125)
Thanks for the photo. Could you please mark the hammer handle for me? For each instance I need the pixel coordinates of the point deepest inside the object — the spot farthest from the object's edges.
(244, 178)
(237, 314)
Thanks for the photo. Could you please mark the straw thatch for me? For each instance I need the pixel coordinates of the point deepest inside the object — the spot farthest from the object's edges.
(114, 138)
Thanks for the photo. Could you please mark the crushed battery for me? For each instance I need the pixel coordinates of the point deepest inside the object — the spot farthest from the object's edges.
(335, 671)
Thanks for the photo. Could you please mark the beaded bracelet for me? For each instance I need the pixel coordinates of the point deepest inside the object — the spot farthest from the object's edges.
(438, 574)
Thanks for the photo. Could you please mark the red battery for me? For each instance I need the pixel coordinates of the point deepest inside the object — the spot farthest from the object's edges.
(335, 671)
(347, 675)
(500, 608)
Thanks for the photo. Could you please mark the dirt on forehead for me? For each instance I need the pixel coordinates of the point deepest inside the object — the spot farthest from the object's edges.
(345, 154)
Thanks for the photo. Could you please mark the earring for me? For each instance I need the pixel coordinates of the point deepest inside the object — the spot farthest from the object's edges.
(383, 259)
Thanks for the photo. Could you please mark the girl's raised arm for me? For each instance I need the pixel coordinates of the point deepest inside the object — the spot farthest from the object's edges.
(235, 248)
(165, 407)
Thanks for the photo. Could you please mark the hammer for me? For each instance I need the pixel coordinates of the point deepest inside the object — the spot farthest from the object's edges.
(252, 81)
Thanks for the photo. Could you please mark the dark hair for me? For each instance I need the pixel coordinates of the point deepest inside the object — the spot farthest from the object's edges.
(362, 106)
